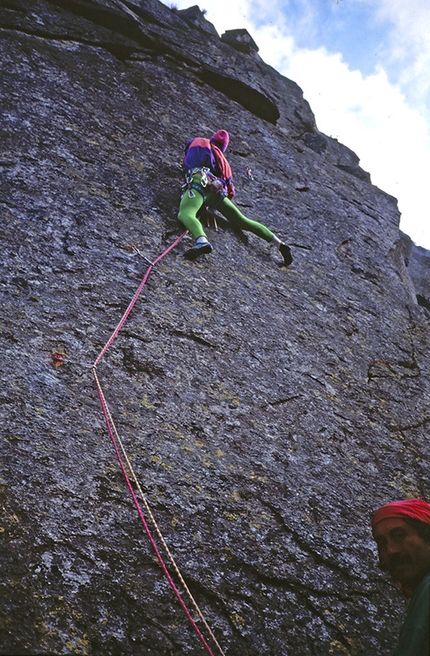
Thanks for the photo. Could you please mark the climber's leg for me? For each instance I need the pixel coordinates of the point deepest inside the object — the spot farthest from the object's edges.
(187, 215)
(241, 222)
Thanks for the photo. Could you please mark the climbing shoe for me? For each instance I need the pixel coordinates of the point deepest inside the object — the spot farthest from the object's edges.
(286, 254)
(197, 250)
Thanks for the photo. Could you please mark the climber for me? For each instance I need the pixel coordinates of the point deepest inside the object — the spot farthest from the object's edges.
(208, 182)
(402, 533)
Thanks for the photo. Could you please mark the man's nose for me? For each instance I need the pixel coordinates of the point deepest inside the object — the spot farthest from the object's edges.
(391, 548)
(386, 551)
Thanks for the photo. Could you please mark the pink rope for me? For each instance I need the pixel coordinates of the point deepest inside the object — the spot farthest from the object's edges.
(135, 297)
(118, 454)
(143, 520)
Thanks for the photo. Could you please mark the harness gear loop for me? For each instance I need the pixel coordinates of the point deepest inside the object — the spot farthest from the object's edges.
(191, 184)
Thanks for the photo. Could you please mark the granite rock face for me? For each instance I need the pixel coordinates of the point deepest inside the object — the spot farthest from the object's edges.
(419, 270)
(267, 412)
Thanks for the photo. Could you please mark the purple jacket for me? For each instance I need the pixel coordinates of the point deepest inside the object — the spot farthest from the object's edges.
(200, 153)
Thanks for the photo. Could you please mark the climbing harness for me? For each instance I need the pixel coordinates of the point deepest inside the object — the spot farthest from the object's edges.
(206, 182)
(130, 477)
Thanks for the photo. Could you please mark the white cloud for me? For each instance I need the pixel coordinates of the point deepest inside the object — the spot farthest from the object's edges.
(372, 117)
(408, 46)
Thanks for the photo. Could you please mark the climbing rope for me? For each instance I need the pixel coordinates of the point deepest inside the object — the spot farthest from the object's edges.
(125, 464)
(135, 297)
(118, 443)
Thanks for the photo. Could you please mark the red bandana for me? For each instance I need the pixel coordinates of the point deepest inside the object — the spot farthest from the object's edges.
(414, 508)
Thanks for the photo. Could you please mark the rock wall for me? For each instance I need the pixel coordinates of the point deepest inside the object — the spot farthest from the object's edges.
(267, 412)
(419, 270)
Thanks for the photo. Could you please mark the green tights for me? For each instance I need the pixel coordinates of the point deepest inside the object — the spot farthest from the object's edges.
(189, 208)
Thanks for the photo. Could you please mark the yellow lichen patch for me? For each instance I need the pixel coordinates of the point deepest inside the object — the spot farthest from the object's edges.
(137, 165)
(337, 648)
(157, 460)
(237, 619)
(174, 430)
(230, 516)
(254, 525)
(405, 485)
(195, 485)
(254, 476)
(145, 403)
(78, 645)
(223, 394)
(204, 311)
(186, 447)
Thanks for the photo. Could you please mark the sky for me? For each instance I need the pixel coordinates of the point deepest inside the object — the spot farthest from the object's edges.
(364, 68)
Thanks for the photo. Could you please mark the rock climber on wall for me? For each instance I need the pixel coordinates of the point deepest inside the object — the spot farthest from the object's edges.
(209, 183)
